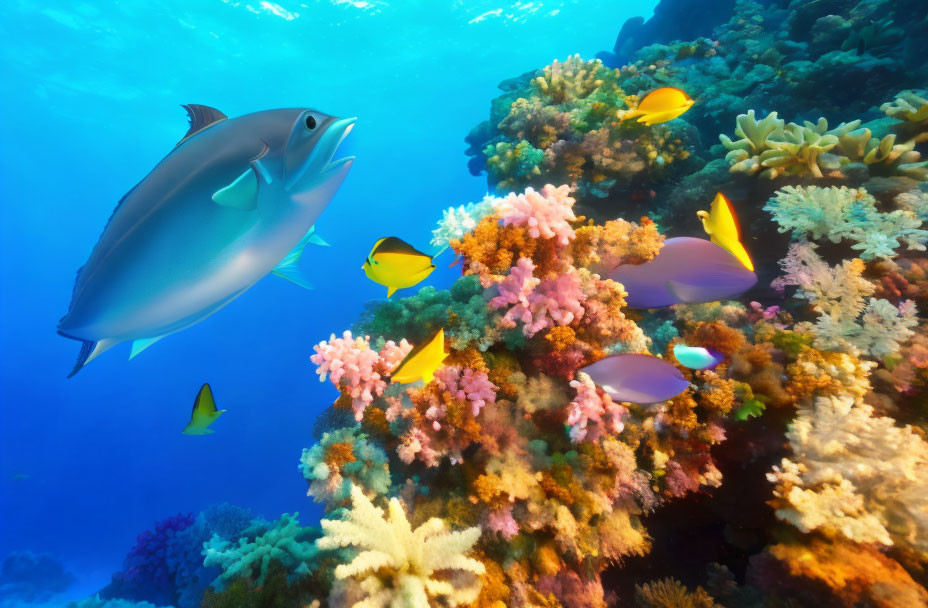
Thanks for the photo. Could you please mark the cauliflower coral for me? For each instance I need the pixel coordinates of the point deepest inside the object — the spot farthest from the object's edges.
(353, 364)
(400, 567)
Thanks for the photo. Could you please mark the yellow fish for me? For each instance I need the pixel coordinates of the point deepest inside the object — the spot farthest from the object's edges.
(422, 361)
(204, 413)
(660, 105)
(721, 224)
(396, 264)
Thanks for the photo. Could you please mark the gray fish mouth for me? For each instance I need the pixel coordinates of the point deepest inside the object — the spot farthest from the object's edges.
(339, 130)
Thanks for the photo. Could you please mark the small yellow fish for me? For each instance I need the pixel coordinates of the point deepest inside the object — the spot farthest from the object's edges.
(721, 224)
(422, 361)
(396, 264)
(660, 105)
(204, 413)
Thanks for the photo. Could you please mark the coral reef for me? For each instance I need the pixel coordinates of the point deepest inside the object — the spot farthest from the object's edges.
(146, 574)
(562, 124)
(30, 577)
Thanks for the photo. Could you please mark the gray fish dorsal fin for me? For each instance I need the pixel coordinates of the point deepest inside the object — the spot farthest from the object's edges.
(200, 117)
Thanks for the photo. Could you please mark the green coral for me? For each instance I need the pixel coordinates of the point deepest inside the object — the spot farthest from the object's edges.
(461, 310)
(342, 458)
(513, 164)
(287, 542)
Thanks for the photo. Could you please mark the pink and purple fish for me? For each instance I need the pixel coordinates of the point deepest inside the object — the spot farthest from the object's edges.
(686, 271)
(637, 378)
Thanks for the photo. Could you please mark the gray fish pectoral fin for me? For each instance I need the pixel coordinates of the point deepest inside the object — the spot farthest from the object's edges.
(140, 345)
(289, 266)
(240, 194)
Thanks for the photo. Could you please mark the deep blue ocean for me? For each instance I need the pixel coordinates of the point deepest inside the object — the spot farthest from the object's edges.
(91, 95)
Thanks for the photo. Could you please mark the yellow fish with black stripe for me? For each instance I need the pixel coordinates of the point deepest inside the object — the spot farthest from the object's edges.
(396, 264)
(422, 361)
(204, 413)
(721, 224)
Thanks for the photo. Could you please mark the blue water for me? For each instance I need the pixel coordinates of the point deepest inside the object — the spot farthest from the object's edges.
(90, 96)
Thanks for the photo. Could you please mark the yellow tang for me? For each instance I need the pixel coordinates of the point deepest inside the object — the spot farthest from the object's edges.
(660, 105)
(422, 361)
(396, 264)
(204, 413)
(721, 224)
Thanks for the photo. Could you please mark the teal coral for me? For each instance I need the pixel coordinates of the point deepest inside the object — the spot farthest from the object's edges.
(344, 458)
(461, 310)
(286, 541)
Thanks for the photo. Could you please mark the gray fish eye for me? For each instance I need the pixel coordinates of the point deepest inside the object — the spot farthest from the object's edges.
(310, 122)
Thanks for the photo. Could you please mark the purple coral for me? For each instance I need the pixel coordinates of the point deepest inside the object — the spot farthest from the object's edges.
(146, 574)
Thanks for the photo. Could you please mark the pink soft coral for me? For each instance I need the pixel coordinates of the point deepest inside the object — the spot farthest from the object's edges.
(467, 385)
(351, 364)
(538, 303)
(588, 406)
(546, 214)
(501, 520)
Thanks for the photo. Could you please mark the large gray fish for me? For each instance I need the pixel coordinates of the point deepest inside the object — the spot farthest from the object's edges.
(234, 200)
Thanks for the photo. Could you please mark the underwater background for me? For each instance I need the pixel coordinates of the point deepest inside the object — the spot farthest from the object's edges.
(793, 471)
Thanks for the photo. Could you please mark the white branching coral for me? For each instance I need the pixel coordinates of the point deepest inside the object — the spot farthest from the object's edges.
(846, 214)
(399, 567)
(455, 222)
(847, 318)
(854, 474)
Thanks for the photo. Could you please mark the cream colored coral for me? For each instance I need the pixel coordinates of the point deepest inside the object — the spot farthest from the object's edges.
(396, 565)
(856, 474)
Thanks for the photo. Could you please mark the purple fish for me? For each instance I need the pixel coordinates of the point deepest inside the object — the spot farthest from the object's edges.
(637, 378)
(685, 271)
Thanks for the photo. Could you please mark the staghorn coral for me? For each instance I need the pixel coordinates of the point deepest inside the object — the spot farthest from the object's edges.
(251, 557)
(841, 213)
(854, 474)
(399, 566)
(839, 295)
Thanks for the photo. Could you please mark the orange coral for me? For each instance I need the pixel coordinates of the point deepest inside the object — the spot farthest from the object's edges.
(819, 572)
(603, 247)
(339, 454)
